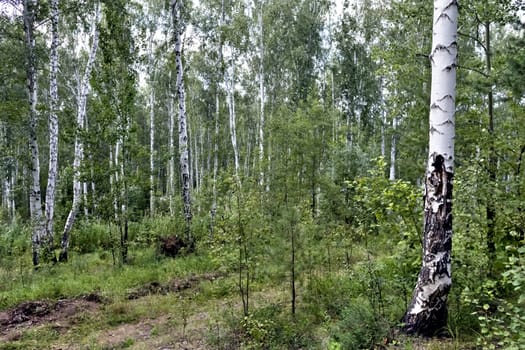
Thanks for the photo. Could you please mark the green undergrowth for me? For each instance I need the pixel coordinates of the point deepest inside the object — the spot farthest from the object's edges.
(95, 272)
(352, 286)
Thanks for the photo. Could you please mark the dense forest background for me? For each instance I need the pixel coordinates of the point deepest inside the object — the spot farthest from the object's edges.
(281, 145)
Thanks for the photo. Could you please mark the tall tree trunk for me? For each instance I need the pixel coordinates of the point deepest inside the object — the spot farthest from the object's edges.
(151, 127)
(8, 174)
(492, 158)
(171, 149)
(82, 95)
(427, 313)
(261, 95)
(196, 160)
(152, 152)
(213, 210)
(53, 127)
(35, 196)
(183, 124)
(393, 149)
(231, 110)
(123, 193)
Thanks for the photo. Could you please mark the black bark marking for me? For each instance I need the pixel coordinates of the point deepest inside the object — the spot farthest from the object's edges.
(437, 106)
(448, 121)
(450, 67)
(446, 97)
(444, 15)
(452, 3)
(430, 317)
(433, 130)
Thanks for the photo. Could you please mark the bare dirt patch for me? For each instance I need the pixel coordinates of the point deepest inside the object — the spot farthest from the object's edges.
(34, 313)
(64, 315)
(174, 286)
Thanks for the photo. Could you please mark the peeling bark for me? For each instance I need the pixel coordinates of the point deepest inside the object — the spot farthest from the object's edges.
(427, 313)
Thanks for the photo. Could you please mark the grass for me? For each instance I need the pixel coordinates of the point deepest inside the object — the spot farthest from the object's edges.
(339, 304)
(93, 272)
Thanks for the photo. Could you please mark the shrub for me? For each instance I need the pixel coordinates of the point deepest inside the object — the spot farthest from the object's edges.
(359, 327)
(502, 318)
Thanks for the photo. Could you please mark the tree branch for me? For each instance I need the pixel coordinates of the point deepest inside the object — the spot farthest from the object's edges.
(475, 39)
(474, 70)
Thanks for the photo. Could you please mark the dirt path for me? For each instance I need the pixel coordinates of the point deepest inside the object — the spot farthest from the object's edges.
(61, 314)
(163, 332)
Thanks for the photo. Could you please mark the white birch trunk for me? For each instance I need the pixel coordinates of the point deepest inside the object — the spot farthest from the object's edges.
(9, 173)
(393, 150)
(171, 148)
(213, 210)
(112, 180)
(152, 152)
(261, 95)
(83, 91)
(427, 313)
(183, 124)
(231, 109)
(190, 155)
(10, 197)
(85, 192)
(35, 195)
(196, 158)
(53, 127)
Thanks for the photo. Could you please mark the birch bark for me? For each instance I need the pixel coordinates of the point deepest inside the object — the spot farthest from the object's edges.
(53, 127)
(35, 195)
(393, 150)
(83, 91)
(183, 125)
(151, 125)
(8, 173)
(213, 210)
(171, 147)
(231, 109)
(261, 95)
(427, 313)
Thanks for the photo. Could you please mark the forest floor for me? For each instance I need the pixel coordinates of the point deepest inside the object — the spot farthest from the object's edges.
(140, 322)
(161, 303)
(93, 322)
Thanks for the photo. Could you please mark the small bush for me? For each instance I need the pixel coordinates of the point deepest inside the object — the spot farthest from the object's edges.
(91, 236)
(359, 327)
(502, 317)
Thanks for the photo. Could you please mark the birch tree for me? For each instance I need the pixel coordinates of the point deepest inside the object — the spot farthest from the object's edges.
(427, 313)
(8, 175)
(82, 94)
(183, 124)
(151, 71)
(53, 126)
(35, 195)
(171, 148)
(230, 87)
(261, 92)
